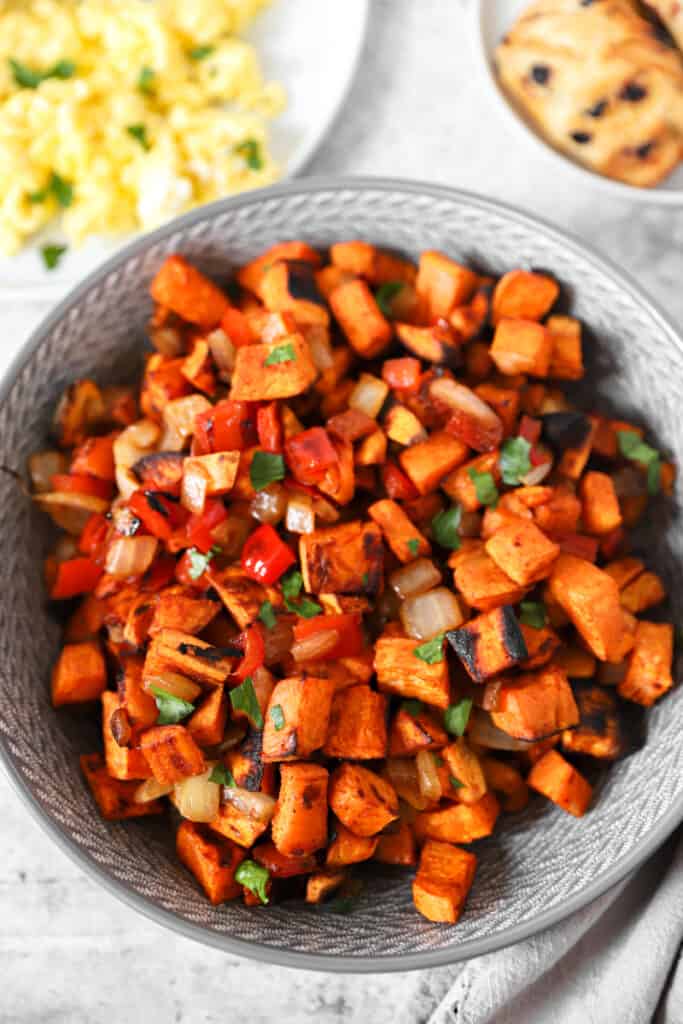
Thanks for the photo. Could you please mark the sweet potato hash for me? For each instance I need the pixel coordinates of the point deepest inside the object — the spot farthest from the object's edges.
(347, 571)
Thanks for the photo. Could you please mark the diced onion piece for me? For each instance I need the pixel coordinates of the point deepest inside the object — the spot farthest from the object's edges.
(69, 510)
(132, 444)
(481, 730)
(130, 556)
(174, 684)
(368, 395)
(316, 645)
(278, 641)
(470, 524)
(402, 772)
(537, 474)
(194, 487)
(167, 340)
(270, 504)
(318, 339)
(611, 673)
(300, 516)
(223, 352)
(428, 775)
(150, 789)
(425, 615)
(42, 466)
(258, 806)
(415, 578)
(179, 420)
(196, 798)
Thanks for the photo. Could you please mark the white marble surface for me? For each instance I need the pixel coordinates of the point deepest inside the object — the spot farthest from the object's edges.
(70, 953)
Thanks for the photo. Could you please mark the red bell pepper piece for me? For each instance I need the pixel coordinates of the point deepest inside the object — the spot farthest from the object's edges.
(95, 457)
(580, 545)
(155, 512)
(160, 574)
(269, 428)
(348, 627)
(200, 529)
(265, 556)
(397, 485)
(538, 457)
(310, 454)
(253, 645)
(75, 576)
(236, 326)
(227, 427)
(93, 539)
(402, 374)
(529, 429)
(80, 484)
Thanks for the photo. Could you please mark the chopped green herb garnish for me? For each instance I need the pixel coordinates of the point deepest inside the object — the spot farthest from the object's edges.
(431, 651)
(438, 761)
(52, 254)
(385, 293)
(413, 546)
(251, 151)
(281, 354)
(306, 608)
(412, 707)
(457, 716)
(292, 583)
(265, 469)
(532, 613)
(266, 614)
(514, 460)
(146, 81)
(243, 698)
(365, 579)
(200, 561)
(456, 783)
(254, 878)
(171, 709)
(29, 78)
(200, 52)
(632, 447)
(139, 133)
(485, 487)
(222, 775)
(654, 477)
(58, 188)
(445, 528)
(278, 717)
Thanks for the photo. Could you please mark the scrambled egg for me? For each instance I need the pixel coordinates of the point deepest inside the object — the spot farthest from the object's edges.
(120, 114)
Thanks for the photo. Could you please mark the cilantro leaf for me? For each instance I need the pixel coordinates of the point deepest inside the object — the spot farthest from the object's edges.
(514, 460)
(305, 608)
(266, 614)
(654, 477)
(532, 613)
(457, 716)
(222, 775)
(432, 651)
(413, 546)
(146, 81)
(456, 783)
(243, 698)
(254, 878)
(52, 254)
(278, 717)
(412, 706)
(632, 447)
(139, 133)
(265, 469)
(250, 149)
(485, 487)
(58, 187)
(29, 78)
(171, 709)
(385, 293)
(200, 561)
(292, 583)
(445, 527)
(281, 354)
(200, 52)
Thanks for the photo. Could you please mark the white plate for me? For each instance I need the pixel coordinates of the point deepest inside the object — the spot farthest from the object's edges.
(491, 19)
(313, 48)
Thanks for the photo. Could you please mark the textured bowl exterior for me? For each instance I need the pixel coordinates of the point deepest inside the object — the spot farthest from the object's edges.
(542, 864)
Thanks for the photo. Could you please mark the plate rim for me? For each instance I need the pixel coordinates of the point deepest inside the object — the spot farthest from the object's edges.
(617, 189)
(276, 954)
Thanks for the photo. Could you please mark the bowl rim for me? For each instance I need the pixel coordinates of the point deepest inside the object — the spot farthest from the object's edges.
(253, 949)
(617, 189)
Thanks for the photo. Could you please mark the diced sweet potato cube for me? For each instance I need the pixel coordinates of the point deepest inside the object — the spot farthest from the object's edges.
(299, 824)
(372, 450)
(443, 284)
(443, 881)
(624, 570)
(521, 293)
(357, 724)
(504, 778)
(322, 884)
(212, 861)
(182, 288)
(402, 673)
(288, 286)
(122, 762)
(428, 462)
(248, 767)
(459, 823)
(346, 559)
(601, 512)
(402, 426)
(489, 644)
(644, 592)
(79, 675)
(348, 848)
(402, 536)
(140, 706)
(536, 704)
(470, 419)
(362, 801)
(174, 651)
(573, 461)
(367, 261)
(591, 600)
(171, 753)
(464, 766)
(560, 782)
(522, 551)
(435, 344)
(484, 585)
(86, 621)
(297, 718)
(504, 402)
(114, 797)
(648, 675)
(522, 346)
(207, 724)
(397, 848)
(541, 644)
(360, 318)
(254, 381)
(182, 609)
(241, 595)
(415, 729)
(575, 662)
(566, 362)
(250, 275)
(217, 470)
(560, 515)
(598, 733)
(283, 865)
(460, 486)
(238, 826)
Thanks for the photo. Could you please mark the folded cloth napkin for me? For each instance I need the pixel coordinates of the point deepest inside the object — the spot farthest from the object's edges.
(618, 961)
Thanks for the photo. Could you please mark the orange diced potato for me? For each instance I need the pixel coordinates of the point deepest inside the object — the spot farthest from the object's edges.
(643, 593)
(402, 536)
(575, 662)
(459, 823)
(172, 650)
(560, 782)
(443, 880)
(238, 826)
(505, 779)
(345, 559)
(207, 724)
(347, 848)
(322, 884)
(489, 644)
(402, 673)
(465, 766)
(140, 706)
(114, 797)
(297, 718)
(357, 724)
(566, 362)
(460, 486)
(241, 595)
(522, 551)
(182, 609)
(428, 462)
(397, 847)
(601, 513)
(624, 571)
(367, 329)
(122, 762)
(363, 802)
(212, 861)
(521, 346)
(443, 284)
(281, 283)
(484, 585)
(536, 704)
(182, 288)
(171, 753)
(299, 825)
(79, 675)
(648, 675)
(591, 600)
(413, 730)
(253, 381)
(523, 294)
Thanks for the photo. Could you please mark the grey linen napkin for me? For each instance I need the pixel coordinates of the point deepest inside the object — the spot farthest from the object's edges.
(615, 962)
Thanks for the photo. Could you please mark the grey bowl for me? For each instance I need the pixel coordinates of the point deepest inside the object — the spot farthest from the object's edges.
(542, 864)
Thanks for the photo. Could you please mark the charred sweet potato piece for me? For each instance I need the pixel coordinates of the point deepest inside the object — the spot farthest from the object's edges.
(79, 410)
(591, 600)
(289, 286)
(257, 375)
(402, 673)
(443, 284)
(443, 880)
(573, 461)
(348, 848)
(123, 762)
(299, 824)
(114, 797)
(345, 559)
(566, 362)
(428, 462)
(79, 675)
(140, 706)
(598, 732)
(523, 294)
(207, 724)
(297, 718)
(562, 783)
(522, 346)
(601, 512)
(459, 823)
(489, 644)
(180, 608)
(648, 675)
(357, 724)
(414, 728)
(241, 595)
(435, 344)
(248, 767)
(522, 551)
(642, 593)
(212, 861)
(238, 825)
(182, 288)
(283, 865)
(360, 318)
(362, 801)
(171, 753)
(249, 276)
(322, 884)
(460, 486)
(470, 418)
(174, 651)
(541, 644)
(404, 539)
(484, 585)
(536, 704)
(397, 848)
